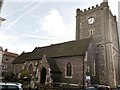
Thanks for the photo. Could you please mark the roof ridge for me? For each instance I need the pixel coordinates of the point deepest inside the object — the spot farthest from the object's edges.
(63, 43)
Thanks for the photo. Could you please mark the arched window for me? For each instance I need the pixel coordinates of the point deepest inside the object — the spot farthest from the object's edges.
(30, 68)
(68, 69)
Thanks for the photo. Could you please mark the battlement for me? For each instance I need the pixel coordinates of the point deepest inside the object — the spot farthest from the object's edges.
(93, 8)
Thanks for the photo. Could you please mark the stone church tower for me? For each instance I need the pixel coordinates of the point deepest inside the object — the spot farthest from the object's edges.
(99, 23)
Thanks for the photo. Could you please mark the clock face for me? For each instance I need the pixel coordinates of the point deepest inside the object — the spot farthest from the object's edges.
(91, 20)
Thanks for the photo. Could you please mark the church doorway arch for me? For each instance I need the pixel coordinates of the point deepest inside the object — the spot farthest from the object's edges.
(43, 76)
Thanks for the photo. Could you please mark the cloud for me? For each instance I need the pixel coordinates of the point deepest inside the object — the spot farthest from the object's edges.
(114, 7)
(7, 37)
(17, 47)
(53, 24)
(22, 8)
(16, 42)
(23, 14)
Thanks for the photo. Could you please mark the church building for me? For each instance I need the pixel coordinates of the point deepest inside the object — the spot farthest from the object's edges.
(90, 59)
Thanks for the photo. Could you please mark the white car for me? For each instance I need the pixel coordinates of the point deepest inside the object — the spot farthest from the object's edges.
(10, 86)
(91, 88)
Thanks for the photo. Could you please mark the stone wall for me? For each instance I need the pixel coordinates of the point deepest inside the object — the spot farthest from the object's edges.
(105, 36)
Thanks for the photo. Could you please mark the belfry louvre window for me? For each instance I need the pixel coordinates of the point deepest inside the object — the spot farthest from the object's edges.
(91, 32)
(68, 69)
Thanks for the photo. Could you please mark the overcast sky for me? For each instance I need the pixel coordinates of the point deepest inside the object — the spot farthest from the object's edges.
(37, 23)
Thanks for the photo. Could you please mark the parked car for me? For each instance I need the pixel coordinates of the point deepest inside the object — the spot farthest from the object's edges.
(102, 87)
(117, 88)
(10, 86)
(91, 88)
(98, 87)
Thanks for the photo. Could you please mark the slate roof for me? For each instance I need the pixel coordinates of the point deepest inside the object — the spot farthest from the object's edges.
(21, 58)
(10, 54)
(71, 48)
